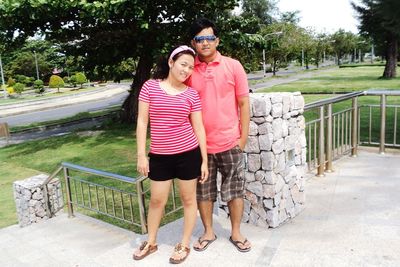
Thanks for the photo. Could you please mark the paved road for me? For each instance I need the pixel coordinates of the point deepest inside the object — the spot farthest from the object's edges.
(64, 111)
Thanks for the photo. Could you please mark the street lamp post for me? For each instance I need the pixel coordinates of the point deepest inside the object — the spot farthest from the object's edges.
(36, 63)
(2, 78)
(268, 34)
(372, 53)
(264, 69)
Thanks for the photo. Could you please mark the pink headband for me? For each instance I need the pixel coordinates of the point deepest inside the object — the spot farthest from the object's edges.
(181, 49)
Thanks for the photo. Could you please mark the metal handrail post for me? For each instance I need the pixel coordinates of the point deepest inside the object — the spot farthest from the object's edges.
(142, 213)
(328, 166)
(321, 144)
(46, 201)
(68, 191)
(354, 141)
(383, 125)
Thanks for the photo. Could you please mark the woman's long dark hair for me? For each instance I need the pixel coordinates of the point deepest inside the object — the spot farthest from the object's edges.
(162, 69)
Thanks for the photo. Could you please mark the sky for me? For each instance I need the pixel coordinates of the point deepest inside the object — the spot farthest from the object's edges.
(323, 15)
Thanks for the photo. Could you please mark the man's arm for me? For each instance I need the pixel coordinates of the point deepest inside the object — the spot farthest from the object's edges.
(244, 111)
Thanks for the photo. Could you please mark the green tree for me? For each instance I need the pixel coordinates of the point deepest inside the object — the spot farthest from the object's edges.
(239, 40)
(380, 20)
(261, 9)
(283, 43)
(80, 78)
(19, 88)
(108, 32)
(72, 80)
(342, 43)
(21, 60)
(38, 86)
(56, 82)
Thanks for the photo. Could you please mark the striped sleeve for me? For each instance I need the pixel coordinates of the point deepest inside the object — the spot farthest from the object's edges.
(195, 101)
(144, 93)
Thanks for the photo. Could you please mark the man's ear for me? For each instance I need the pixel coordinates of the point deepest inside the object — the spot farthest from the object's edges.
(193, 43)
(217, 41)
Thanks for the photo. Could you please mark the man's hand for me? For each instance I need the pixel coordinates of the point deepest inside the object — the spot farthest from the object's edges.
(242, 143)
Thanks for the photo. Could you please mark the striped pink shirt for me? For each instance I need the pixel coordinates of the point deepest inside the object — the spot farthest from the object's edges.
(170, 128)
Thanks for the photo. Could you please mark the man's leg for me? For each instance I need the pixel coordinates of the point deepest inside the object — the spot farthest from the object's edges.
(236, 212)
(232, 191)
(206, 210)
(206, 194)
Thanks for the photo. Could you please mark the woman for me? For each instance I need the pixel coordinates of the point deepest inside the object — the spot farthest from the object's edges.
(178, 146)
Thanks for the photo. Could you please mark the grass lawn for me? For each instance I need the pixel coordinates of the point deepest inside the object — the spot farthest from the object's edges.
(10, 172)
(114, 150)
(341, 80)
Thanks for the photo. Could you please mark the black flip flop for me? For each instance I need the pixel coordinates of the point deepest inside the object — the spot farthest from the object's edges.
(235, 243)
(208, 242)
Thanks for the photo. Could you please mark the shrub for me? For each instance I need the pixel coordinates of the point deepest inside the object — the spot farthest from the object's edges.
(19, 88)
(10, 90)
(56, 82)
(11, 82)
(80, 78)
(72, 80)
(66, 79)
(38, 86)
(20, 78)
(29, 81)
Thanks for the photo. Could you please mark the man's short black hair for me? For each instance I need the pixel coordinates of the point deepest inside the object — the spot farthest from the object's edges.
(201, 24)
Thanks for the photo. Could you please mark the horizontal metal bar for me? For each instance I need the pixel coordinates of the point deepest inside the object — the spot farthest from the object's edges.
(106, 214)
(101, 173)
(332, 100)
(395, 92)
(100, 185)
(378, 106)
(174, 210)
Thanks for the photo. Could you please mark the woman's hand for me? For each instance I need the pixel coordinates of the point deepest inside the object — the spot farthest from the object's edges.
(143, 165)
(204, 173)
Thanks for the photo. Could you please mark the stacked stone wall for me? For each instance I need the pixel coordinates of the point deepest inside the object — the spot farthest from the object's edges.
(30, 200)
(275, 159)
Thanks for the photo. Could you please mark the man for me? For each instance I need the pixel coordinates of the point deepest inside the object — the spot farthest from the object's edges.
(222, 85)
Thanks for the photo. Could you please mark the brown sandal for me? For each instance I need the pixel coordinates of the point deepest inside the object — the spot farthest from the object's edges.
(179, 248)
(145, 246)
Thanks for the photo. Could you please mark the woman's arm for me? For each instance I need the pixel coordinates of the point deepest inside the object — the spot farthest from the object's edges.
(141, 135)
(196, 120)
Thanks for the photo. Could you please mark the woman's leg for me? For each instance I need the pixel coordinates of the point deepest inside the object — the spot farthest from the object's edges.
(187, 190)
(158, 198)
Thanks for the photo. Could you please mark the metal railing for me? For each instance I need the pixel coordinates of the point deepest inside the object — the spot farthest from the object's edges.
(331, 135)
(109, 194)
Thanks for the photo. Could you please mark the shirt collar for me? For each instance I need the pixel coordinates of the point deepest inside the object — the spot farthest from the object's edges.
(217, 60)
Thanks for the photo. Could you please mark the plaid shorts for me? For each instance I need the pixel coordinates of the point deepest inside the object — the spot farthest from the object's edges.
(230, 164)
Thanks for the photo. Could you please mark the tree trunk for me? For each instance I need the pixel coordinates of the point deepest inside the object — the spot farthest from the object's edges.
(129, 111)
(391, 58)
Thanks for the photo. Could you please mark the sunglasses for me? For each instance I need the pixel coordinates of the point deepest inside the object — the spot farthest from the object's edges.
(201, 39)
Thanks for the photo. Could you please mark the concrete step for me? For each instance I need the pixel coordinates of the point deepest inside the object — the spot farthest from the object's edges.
(352, 218)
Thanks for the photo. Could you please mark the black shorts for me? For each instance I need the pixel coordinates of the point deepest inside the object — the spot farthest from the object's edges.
(184, 166)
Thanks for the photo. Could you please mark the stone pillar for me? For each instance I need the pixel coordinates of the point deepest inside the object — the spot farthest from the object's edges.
(275, 159)
(30, 200)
